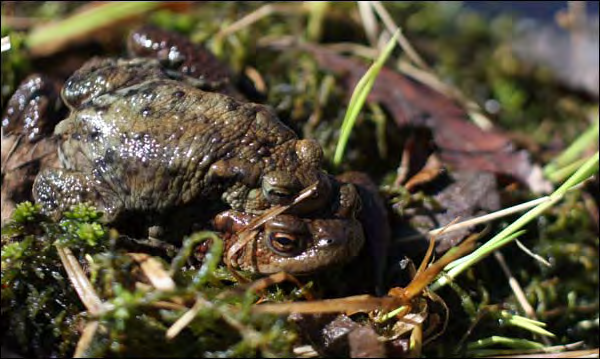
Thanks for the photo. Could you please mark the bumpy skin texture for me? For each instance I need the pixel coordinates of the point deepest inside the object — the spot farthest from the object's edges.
(325, 242)
(33, 109)
(177, 52)
(141, 139)
(150, 143)
(27, 123)
(294, 244)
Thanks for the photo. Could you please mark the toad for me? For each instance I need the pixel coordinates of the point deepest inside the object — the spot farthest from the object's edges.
(294, 244)
(307, 244)
(148, 142)
(141, 139)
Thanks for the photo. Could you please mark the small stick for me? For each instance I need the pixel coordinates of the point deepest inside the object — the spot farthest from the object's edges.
(254, 16)
(154, 271)
(80, 282)
(515, 286)
(86, 338)
(187, 318)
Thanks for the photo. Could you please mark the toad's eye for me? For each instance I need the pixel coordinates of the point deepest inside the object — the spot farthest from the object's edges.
(284, 244)
(278, 195)
(279, 187)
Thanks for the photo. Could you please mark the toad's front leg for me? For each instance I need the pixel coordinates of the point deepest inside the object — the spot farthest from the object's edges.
(57, 190)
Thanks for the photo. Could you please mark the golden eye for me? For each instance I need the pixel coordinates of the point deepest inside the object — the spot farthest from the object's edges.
(284, 244)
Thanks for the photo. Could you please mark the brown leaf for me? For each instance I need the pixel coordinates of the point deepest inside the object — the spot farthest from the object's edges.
(461, 143)
(460, 194)
(364, 343)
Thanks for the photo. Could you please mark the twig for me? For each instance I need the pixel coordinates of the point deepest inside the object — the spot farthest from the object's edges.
(254, 16)
(515, 286)
(86, 338)
(546, 353)
(432, 80)
(86, 293)
(305, 351)
(187, 318)
(365, 9)
(154, 271)
(392, 27)
(80, 282)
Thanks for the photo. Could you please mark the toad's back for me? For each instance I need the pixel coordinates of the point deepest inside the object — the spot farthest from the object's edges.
(153, 143)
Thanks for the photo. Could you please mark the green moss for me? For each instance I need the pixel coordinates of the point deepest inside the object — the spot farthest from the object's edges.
(41, 307)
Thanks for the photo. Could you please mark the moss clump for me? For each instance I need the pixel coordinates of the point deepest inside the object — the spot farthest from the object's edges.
(44, 316)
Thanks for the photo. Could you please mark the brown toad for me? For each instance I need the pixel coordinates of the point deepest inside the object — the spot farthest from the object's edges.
(144, 141)
(291, 243)
(296, 244)
(141, 139)
(307, 244)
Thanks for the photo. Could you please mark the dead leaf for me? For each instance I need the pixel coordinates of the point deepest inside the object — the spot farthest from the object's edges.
(460, 194)
(364, 343)
(461, 144)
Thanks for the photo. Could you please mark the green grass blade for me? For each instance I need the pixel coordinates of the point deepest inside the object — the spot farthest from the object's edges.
(531, 325)
(359, 96)
(588, 169)
(89, 20)
(568, 159)
(509, 342)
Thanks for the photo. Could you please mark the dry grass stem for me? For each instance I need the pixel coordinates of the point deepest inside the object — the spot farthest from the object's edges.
(154, 271)
(168, 305)
(80, 282)
(516, 287)
(86, 338)
(585, 353)
(432, 80)
(305, 351)
(348, 305)
(531, 254)
(186, 318)
(369, 21)
(263, 283)
(256, 15)
(424, 73)
(490, 216)
(392, 27)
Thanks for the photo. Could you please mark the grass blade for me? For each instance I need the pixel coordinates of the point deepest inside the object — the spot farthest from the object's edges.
(359, 96)
(589, 168)
(568, 159)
